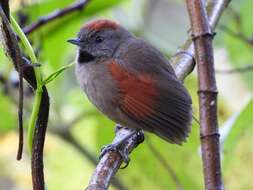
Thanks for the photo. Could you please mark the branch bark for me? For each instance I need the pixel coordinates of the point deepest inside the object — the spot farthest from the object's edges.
(183, 63)
(202, 37)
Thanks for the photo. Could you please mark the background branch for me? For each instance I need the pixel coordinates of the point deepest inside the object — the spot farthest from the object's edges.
(239, 35)
(183, 63)
(166, 166)
(77, 6)
(202, 37)
(13, 51)
(244, 69)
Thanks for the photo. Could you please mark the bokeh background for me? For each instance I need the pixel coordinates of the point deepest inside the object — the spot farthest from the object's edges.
(77, 131)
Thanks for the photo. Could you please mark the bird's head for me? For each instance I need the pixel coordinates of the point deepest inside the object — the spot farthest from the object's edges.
(99, 39)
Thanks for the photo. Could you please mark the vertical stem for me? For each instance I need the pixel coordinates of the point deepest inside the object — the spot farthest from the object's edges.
(202, 38)
(39, 83)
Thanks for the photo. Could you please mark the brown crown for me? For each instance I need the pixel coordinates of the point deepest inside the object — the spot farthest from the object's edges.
(100, 24)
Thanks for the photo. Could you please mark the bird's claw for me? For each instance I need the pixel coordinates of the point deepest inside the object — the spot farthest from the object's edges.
(107, 148)
(115, 147)
(125, 159)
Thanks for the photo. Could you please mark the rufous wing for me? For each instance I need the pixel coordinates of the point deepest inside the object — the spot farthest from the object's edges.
(157, 104)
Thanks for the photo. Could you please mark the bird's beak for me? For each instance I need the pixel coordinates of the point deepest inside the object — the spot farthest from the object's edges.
(74, 41)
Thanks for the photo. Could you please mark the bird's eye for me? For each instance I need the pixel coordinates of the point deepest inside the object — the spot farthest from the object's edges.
(99, 39)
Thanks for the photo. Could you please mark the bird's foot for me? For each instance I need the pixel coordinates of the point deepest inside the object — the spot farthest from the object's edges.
(117, 147)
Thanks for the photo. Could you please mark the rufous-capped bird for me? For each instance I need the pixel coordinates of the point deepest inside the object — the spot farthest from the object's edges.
(131, 82)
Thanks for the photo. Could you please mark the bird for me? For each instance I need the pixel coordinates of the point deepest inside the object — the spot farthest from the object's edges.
(131, 82)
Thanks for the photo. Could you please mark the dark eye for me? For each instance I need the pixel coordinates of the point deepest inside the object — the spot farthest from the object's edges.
(99, 39)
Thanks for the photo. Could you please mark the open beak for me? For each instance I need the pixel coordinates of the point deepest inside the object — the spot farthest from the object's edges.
(74, 41)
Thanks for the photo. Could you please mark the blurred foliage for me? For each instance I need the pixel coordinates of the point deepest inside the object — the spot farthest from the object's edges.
(158, 22)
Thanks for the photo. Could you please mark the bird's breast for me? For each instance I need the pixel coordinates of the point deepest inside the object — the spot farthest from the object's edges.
(98, 85)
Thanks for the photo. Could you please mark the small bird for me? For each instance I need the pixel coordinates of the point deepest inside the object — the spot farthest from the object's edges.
(131, 82)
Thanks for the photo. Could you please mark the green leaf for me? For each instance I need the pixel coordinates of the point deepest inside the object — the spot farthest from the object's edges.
(52, 76)
(243, 124)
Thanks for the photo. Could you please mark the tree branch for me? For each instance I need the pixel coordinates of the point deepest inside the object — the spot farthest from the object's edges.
(202, 37)
(77, 6)
(183, 61)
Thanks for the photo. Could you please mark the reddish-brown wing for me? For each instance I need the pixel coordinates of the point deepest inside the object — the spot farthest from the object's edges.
(151, 95)
(138, 92)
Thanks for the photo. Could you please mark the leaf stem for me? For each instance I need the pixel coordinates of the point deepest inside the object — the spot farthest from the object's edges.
(39, 82)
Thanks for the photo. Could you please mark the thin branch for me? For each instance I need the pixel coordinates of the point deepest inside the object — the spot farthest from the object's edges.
(239, 35)
(165, 164)
(13, 51)
(244, 69)
(183, 63)
(77, 6)
(202, 37)
(237, 18)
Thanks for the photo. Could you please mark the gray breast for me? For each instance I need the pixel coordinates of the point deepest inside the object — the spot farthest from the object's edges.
(95, 79)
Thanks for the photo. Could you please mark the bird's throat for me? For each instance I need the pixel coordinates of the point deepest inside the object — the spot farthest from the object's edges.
(84, 57)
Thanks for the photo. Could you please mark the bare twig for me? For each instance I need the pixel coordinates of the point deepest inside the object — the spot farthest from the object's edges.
(165, 164)
(183, 64)
(239, 35)
(20, 113)
(77, 6)
(13, 51)
(210, 145)
(238, 32)
(237, 18)
(244, 69)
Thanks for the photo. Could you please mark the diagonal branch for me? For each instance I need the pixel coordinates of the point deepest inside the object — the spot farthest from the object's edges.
(183, 63)
(166, 165)
(202, 37)
(77, 6)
